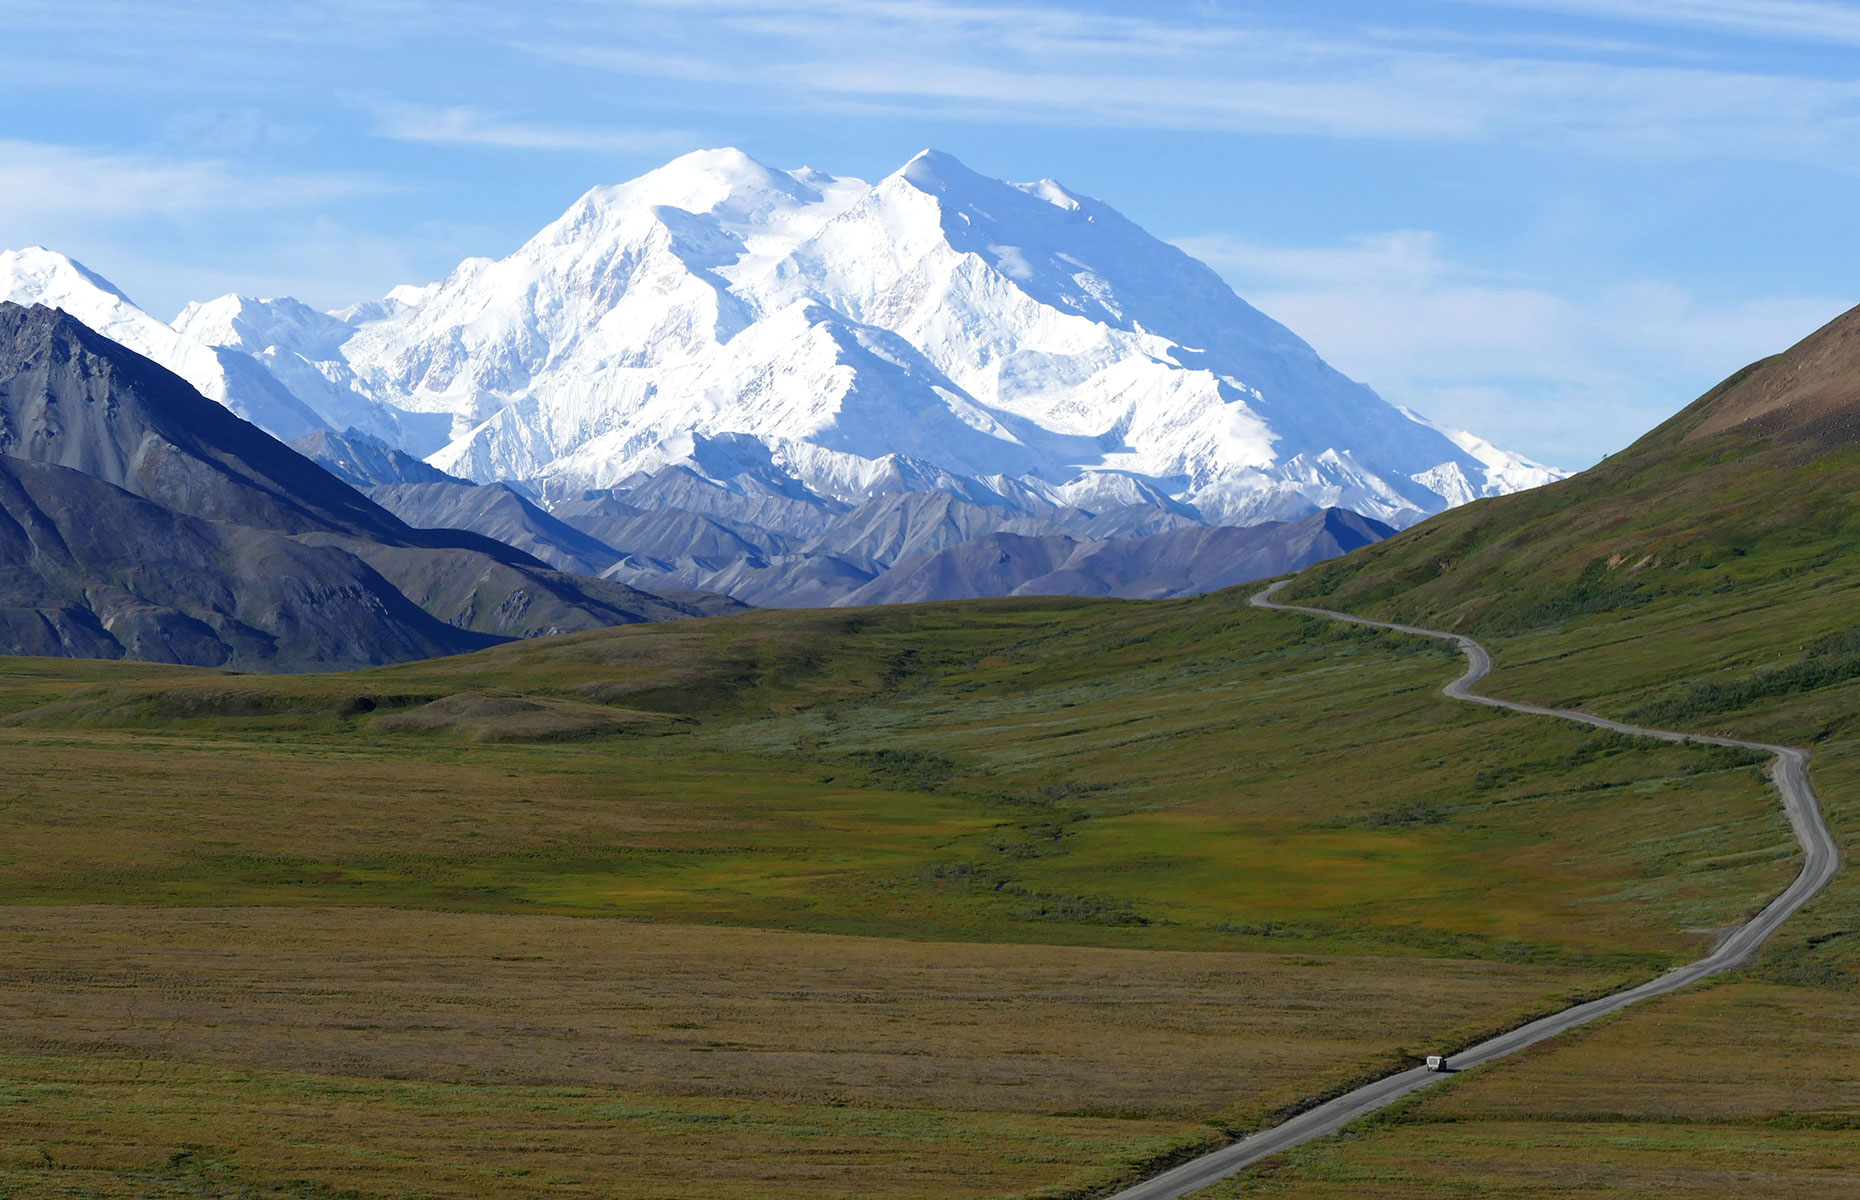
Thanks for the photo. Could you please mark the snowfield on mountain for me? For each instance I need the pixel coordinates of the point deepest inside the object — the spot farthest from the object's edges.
(790, 331)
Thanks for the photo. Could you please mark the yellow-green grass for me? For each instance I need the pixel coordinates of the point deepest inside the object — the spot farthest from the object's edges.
(1701, 583)
(1215, 861)
(1750, 1087)
(108, 1127)
(1738, 1089)
(1657, 662)
(1185, 774)
(349, 1047)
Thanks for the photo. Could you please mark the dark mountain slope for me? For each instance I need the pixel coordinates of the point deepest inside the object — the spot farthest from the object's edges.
(72, 397)
(1188, 562)
(995, 564)
(485, 594)
(89, 570)
(1757, 481)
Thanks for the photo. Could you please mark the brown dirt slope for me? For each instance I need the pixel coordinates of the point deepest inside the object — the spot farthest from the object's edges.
(1811, 393)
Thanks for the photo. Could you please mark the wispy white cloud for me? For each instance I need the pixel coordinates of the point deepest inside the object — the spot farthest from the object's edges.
(463, 125)
(123, 214)
(1253, 68)
(49, 181)
(1022, 64)
(1526, 365)
(1798, 20)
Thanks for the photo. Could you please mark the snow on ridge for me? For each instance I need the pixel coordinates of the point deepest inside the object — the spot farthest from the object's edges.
(936, 329)
(1504, 471)
(39, 276)
(1067, 345)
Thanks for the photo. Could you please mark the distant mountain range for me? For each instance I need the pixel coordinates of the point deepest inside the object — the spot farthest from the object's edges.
(144, 520)
(895, 548)
(937, 330)
(789, 387)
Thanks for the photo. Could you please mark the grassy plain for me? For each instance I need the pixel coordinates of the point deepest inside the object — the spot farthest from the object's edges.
(1739, 1089)
(459, 1053)
(984, 899)
(1182, 774)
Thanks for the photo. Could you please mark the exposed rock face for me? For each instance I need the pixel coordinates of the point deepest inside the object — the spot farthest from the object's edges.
(150, 522)
(88, 570)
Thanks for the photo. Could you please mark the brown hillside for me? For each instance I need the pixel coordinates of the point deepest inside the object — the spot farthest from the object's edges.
(1808, 394)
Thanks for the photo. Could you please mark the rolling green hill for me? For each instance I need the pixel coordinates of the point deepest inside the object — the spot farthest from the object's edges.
(1750, 493)
(1706, 578)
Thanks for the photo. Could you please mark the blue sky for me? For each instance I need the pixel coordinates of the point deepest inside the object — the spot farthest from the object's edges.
(1550, 221)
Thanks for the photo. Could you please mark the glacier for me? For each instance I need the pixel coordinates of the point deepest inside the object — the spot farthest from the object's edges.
(795, 333)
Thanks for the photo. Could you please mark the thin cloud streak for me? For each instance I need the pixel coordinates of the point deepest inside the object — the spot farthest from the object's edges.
(1018, 65)
(37, 179)
(1504, 355)
(1793, 20)
(462, 125)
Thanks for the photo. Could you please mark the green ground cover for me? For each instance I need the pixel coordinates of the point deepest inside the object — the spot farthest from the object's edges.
(1182, 774)
(1055, 778)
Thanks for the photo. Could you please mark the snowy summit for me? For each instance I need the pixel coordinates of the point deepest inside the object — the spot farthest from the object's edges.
(937, 330)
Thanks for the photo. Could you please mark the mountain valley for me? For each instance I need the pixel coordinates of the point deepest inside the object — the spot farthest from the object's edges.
(384, 820)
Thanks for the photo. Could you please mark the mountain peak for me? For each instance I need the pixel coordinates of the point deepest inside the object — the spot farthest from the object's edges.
(50, 269)
(718, 160)
(984, 327)
(939, 171)
(726, 182)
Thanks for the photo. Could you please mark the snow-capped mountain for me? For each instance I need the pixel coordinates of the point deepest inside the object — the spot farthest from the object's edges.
(301, 348)
(793, 333)
(721, 315)
(225, 359)
(36, 275)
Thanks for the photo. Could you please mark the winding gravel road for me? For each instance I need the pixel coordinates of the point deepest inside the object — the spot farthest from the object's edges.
(1821, 859)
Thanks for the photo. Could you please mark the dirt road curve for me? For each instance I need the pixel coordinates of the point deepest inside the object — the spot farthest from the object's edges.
(1821, 859)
